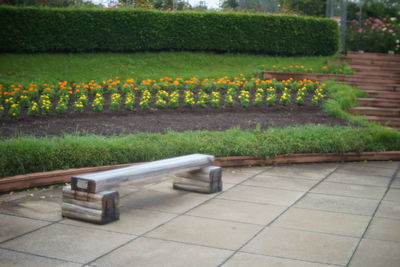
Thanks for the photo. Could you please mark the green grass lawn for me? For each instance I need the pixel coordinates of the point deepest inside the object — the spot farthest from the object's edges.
(50, 68)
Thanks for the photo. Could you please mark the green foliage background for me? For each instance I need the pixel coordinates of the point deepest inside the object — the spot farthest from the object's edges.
(117, 30)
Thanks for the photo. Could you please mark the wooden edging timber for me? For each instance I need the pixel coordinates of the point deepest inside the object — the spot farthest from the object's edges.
(24, 181)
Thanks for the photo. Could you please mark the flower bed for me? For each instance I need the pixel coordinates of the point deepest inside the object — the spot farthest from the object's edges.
(339, 68)
(116, 94)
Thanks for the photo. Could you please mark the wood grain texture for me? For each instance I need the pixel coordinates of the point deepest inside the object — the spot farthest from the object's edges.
(97, 182)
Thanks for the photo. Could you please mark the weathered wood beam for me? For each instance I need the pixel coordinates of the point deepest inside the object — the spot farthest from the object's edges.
(97, 182)
(98, 208)
(205, 180)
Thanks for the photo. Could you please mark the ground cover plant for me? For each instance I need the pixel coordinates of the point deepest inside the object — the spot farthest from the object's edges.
(342, 68)
(116, 94)
(29, 154)
(41, 68)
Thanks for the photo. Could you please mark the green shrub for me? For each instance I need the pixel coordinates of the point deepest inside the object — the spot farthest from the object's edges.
(29, 154)
(117, 30)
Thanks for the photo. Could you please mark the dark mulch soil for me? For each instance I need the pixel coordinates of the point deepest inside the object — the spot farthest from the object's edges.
(182, 119)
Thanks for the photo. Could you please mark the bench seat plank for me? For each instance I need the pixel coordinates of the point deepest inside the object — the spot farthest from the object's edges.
(97, 182)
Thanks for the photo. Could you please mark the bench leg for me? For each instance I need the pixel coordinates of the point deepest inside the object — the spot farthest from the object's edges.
(97, 208)
(205, 180)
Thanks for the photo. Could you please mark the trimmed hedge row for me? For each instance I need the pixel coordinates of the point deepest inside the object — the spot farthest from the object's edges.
(117, 30)
(29, 154)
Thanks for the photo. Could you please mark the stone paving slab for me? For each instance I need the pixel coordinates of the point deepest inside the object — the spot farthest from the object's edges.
(376, 253)
(275, 182)
(68, 242)
(358, 178)
(384, 229)
(42, 205)
(155, 252)
(246, 212)
(136, 222)
(207, 232)
(393, 195)
(173, 202)
(297, 172)
(262, 195)
(341, 214)
(13, 258)
(301, 245)
(369, 169)
(350, 190)
(241, 259)
(349, 205)
(396, 183)
(324, 222)
(389, 210)
(13, 226)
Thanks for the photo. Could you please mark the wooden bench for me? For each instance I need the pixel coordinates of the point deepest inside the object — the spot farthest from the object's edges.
(91, 198)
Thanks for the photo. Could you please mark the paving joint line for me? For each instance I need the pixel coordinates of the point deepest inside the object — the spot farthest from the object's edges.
(158, 226)
(42, 256)
(186, 243)
(24, 217)
(374, 213)
(251, 202)
(367, 185)
(340, 212)
(316, 232)
(277, 217)
(364, 173)
(29, 232)
(336, 195)
(270, 187)
(287, 258)
(222, 220)
(294, 177)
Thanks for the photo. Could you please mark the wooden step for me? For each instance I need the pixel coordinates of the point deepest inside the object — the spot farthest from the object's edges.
(371, 80)
(389, 57)
(379, 102)
(390, 121)
(374, 62)
(373, 111)
(376, 74)
(383, 94)
(376, 87)
(369, 67)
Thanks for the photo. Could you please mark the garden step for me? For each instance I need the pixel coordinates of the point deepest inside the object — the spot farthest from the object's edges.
(377, 87)
(372, 111)
(383, 94)
(372, 80)
(376, 73)
(373, 62)
(369, 67)
(389, 57)
(390, 121)
(379, 102)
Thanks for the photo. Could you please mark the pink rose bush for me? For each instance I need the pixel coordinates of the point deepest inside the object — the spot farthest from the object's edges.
(374, 35)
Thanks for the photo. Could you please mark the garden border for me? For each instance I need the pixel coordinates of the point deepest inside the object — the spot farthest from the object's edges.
(25, 181)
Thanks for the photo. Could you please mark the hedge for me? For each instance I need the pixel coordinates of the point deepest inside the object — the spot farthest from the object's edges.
(122, 30)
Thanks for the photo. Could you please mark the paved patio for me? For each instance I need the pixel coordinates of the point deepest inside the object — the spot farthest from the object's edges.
(299, 215)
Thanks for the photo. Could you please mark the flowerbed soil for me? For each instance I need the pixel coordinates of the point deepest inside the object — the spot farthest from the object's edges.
(154, 121)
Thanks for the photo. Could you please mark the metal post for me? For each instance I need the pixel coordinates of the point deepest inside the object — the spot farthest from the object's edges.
(343, 25)
(360, 24)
